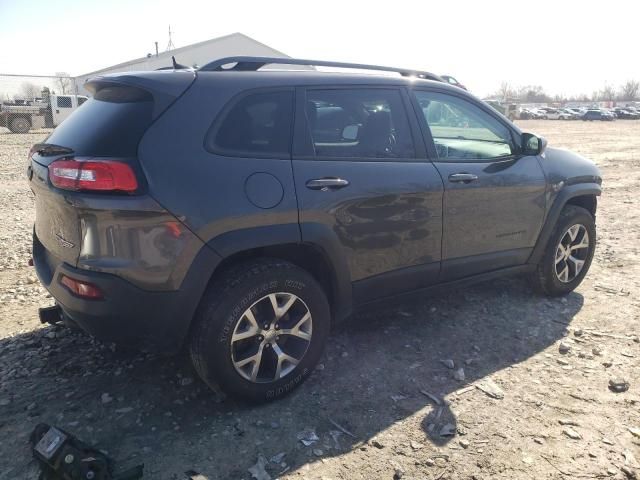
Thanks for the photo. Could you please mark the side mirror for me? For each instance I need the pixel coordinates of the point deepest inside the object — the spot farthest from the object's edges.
(350, 132)
(532, 144)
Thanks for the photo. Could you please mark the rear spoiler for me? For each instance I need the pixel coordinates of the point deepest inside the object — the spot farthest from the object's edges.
(164, 86)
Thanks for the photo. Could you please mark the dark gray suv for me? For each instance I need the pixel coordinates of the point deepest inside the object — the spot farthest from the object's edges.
(242, 211)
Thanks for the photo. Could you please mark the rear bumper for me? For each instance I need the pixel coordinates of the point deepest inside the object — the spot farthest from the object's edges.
(128, 315)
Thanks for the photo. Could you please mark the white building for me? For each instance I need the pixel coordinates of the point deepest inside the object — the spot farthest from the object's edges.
(195, 55)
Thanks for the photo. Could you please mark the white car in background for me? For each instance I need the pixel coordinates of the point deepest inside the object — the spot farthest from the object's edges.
(557, 114)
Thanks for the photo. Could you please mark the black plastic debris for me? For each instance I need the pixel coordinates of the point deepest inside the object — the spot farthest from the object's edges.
(63, 457)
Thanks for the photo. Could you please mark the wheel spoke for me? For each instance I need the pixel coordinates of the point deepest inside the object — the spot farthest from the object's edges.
(282, 359)
(281, 310)
(583, 243)
(577, 263)
(252, 331)
(573, 232)
(563, 275)
(255, 361)
(297, 329)
(560, 253)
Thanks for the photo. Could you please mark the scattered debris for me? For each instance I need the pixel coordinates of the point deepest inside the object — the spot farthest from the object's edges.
(634, 431)
(416, 445)
(464, 443)
(278, 458)
(572, 434)
(318, 452)
(568, 422)
(564, 348)
(184, 381)
(377, 443)
(106, 398)
(618, 385)
(448, 363)
(459, 374)
(308, 437)
(448, 430)
(397, 398)
(630, 474)
(341, 428)
(597, 351)
(434, 398)
(62, 455)
(489, 387)
(257, 471)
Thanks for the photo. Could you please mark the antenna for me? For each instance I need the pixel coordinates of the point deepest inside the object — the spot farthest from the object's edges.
(170, 45)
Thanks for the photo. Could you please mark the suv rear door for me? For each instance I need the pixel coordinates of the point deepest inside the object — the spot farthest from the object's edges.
(494, 200)
(365, 187)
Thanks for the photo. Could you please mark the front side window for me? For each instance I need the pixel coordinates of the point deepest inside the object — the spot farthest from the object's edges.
(64, 102)
(258, 124)
(463, 131)
(359, 123)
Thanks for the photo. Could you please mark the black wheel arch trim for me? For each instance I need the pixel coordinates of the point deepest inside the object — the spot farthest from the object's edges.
(312, 234)
(571, 190)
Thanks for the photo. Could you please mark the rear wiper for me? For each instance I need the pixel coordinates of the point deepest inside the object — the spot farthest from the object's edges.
(49, 149)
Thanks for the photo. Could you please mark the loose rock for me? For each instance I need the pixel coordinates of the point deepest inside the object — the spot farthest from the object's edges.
(618, 385)
(572, 434)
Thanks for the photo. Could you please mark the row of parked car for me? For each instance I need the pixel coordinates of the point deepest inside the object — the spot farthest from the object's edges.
(550, 113)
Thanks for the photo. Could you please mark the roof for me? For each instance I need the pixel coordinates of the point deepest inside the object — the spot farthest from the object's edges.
(166, 56)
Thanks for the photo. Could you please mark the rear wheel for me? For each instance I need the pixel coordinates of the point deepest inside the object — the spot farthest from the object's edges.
(260, 330)
(568, 254)
(19, 125)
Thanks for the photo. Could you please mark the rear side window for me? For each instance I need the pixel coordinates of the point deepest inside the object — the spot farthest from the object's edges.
(109, 124)
(359, 123)
(256, 125)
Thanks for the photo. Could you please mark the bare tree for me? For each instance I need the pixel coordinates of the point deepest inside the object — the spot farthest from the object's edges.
(629, 91)
(29, 90)
(505, 91)
(608, 93)
(64, 82)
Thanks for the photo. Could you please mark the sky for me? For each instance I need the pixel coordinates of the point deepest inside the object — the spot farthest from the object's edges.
(567, 46)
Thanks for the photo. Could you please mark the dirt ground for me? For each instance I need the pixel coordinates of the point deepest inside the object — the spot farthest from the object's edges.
(556, 417)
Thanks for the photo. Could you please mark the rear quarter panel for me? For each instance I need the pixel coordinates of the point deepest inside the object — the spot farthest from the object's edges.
(207, 191)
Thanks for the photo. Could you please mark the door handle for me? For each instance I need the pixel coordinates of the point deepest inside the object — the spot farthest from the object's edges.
(462, 177)
(326, 184)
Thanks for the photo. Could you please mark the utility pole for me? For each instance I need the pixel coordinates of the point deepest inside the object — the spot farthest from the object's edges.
(156, 48)
(170, 45)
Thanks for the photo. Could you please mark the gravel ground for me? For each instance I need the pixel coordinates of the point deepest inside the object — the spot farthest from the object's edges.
(527, 396)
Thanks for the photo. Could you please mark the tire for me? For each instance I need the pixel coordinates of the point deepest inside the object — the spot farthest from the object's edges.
(223, 315)
(19, 125)
(550, 277)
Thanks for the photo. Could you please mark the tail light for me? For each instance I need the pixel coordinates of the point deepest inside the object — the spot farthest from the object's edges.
(81, 289)
(90, 175)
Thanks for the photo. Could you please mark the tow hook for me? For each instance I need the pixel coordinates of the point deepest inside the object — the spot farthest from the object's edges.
(50, 315)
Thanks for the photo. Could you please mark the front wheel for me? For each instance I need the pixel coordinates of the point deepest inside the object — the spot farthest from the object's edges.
(260, 330)
(568, 253)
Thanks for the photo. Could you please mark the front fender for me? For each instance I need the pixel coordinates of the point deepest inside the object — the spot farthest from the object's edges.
(568, 192)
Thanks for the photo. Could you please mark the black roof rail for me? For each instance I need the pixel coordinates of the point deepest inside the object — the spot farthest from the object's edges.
(253, 64)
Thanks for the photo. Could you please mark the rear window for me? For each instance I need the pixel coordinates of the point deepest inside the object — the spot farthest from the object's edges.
(110, 124)
(257, 125)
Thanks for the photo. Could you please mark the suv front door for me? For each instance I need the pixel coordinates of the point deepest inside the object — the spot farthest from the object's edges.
(494, 199)
(366, 189)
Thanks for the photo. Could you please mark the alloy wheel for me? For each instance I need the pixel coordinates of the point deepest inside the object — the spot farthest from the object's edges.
(571, 253)
(271, 337)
